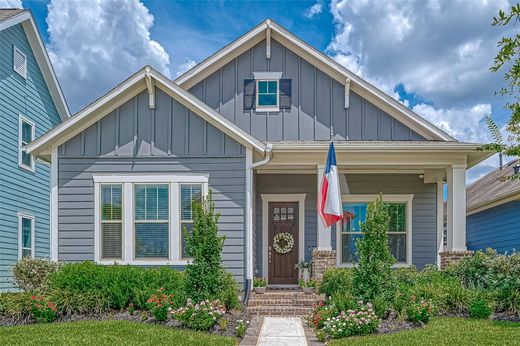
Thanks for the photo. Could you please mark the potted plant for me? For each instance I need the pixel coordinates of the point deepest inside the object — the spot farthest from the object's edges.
(305, 270)
(259, 285)
(307, 286)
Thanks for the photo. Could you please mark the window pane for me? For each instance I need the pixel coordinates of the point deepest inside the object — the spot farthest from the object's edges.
(189, 228)
(151, 240)
(272, 87)
(112, 240)
(151, 202)
(26, 253)
(397, 244)
(111, 199)
(26, 132)
(26, 233)
(348, 247)
(190, 193)
(26, 159)
(267, 100)
(397, 217)
(262, 87)
(353, 214)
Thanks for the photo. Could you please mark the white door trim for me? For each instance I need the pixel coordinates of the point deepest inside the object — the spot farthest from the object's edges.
(266, 198)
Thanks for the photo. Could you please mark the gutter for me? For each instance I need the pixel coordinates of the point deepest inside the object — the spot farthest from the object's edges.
(268, 156)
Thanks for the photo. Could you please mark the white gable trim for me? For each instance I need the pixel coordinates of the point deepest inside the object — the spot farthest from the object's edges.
(42, 58)
(124, 92)
(321, 61)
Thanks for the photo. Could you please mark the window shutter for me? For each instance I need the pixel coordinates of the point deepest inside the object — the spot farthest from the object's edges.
(285, 94)
(249, 94)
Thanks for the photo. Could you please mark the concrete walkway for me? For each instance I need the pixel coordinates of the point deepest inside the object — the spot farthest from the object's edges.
(282, 331)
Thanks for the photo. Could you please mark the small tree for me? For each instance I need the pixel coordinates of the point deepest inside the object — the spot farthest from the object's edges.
(204, 275)
(373, 275)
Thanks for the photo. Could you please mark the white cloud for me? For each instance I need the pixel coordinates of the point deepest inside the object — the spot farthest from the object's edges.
(96, 44)
(185, 66)
(314, 10)
(11, 4)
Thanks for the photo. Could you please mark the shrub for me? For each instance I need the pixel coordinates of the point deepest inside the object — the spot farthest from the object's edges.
(16, 304)
(373, 276)
(337, 280)
(361, 321)
(42, 309)
(321, 313)
(204, 275)
(343, 301)
(200, 316)
(419, 311)
(69, 302)
(229, 292)
(159, 304)
(480, 308)
(31, 274)
(241, 328)
(259, 282)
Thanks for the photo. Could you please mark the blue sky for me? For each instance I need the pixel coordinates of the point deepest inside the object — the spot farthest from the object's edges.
(431, 55)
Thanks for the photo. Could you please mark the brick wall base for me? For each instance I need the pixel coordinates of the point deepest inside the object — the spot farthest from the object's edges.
(321, 261)
(451, 257)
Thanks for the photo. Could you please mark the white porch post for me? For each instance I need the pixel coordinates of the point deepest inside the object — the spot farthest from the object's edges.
(324, 233)
(440, 220)
(456, 207)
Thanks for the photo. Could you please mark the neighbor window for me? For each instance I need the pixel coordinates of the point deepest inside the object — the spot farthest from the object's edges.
(151, 220)
(267, 94)
(25, 136)
(25, 235)
(355, 212)
(190, 193)
(111, 221)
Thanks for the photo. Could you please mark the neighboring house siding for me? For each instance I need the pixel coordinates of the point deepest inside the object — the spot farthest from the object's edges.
(21, 190)
(317, 102)
(134, 139)
(496, 228)
(424, 207)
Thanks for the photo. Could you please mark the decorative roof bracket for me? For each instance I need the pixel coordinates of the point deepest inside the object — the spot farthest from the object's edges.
(150, 85)
(347, 93)
(268, 40)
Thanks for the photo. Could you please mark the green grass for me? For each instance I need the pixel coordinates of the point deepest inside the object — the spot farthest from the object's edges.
(106, 333)
(446, 331)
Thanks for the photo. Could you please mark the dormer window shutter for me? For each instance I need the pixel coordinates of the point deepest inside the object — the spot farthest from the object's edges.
(285, 94)
(249, 94)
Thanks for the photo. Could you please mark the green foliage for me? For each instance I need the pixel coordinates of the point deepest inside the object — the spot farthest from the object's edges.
(200, 316)
(480, 308)
(419, 311)
(15, 304)
(204, 275)
(43, 309)
(343, 301)
(31, 274)
(337, 280)
(229, 292)
(75, 302)
(159, 304)
(115, 286)
(241, 328)
(259, 282)
(373, 276)
(360, 321)
(308, 284)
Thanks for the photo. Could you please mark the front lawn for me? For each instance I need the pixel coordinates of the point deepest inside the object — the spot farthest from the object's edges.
(106, 333)
(446, 331)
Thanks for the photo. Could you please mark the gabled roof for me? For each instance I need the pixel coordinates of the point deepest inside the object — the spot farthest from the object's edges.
(144, 79)
(11, 17)
(272, 29)
(493, 189)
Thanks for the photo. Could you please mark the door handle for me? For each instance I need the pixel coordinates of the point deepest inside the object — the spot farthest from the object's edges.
(270, 256)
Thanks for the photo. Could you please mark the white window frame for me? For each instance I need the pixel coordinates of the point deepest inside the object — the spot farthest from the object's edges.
(395, 198)
(101, 221)
(22, 216)
(269, 108)
(22, 119)
(17, 50)
(175, 232)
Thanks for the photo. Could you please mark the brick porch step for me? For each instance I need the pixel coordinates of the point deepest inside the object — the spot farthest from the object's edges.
(281, 303)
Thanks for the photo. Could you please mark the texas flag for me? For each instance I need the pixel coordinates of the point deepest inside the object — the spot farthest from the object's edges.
(329, 197)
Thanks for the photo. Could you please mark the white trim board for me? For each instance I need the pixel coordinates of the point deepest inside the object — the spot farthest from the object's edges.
(266, 198)
(403, 198)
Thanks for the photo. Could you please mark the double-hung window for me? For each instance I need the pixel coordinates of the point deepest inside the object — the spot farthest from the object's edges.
(25, 235)
(26, 130)
(151, 221)
(399, 232)
(112, 221)
(267, 95)
(190, 194)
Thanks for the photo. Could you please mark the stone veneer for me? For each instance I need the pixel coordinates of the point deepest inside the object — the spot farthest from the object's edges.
(321, 261)
(450, 257)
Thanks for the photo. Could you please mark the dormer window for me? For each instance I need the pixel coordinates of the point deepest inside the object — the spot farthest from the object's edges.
(267, 97)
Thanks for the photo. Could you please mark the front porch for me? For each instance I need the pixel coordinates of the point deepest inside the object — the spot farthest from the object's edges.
(285, 191)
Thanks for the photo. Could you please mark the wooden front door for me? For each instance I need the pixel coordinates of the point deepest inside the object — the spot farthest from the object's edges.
(283, 218)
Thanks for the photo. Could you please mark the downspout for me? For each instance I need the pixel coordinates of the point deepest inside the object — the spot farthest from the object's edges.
(249, 235)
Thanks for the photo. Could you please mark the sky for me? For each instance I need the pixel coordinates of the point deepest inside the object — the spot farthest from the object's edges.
(432, 55)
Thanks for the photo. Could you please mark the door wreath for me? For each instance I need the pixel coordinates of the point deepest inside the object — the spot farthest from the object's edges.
(283, 243)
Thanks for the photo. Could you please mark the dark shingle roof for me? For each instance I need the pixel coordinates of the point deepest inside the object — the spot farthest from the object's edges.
(6, 13)
(493, 186)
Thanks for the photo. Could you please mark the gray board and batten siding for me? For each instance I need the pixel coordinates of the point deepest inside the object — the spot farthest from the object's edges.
(134, 139)
(317, 102)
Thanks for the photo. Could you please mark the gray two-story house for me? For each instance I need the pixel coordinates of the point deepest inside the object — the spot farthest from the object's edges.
(252, 123)
(31, 103)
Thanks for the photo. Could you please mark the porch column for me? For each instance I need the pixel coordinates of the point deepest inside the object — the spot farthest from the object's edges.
(324, 233)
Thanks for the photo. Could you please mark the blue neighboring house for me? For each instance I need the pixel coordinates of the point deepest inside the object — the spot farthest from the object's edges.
(31, 103)
(493, 211)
